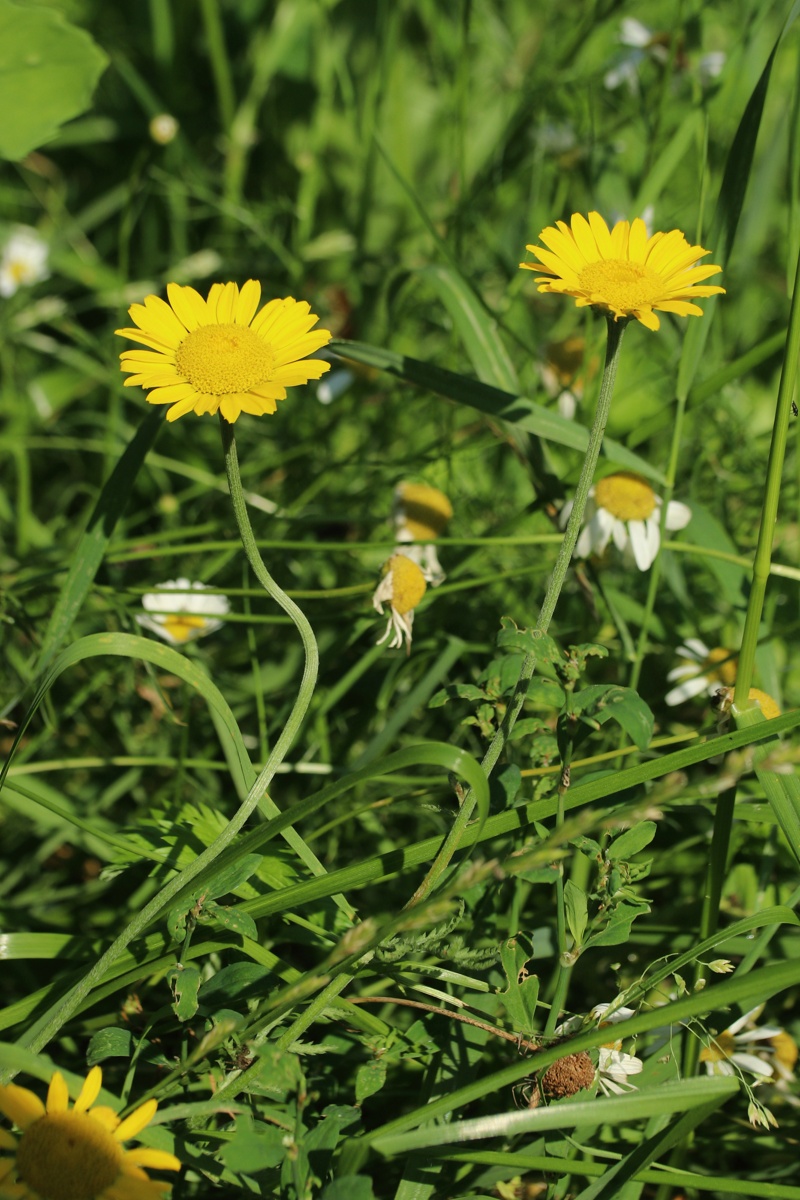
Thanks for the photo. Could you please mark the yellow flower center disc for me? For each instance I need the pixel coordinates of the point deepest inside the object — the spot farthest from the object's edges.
(785, 1048)
(222, 359)
(720, 1049)
(182, 628)
(623, 286)
(425, 510)
(408, 583)
(626, 496)
(68, 1156)
(726, 674)
(768, 706)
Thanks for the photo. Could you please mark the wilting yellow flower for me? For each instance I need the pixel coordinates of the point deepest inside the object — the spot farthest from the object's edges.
(622, 270)
(76, 1155)
(219, 354)
(402, 586)
(421, 513)
(624, 507)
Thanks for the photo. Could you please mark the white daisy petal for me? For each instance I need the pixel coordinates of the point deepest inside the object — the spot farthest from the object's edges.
(678, 515)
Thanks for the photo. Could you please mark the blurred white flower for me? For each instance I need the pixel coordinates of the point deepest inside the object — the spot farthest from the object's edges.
(625, 507)
(163, 129)
(701, 670)
(334, 385)
(642, 43)
(710, 67)
(24, 260)
(189, 611)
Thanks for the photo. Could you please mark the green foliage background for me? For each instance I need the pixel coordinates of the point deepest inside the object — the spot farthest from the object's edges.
(388, 162)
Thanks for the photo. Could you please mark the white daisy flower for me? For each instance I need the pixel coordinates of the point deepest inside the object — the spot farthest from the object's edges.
(614, 1069)
(625, 507)
(766, 1052)
(642, 43)
(190, 611)
(701, 670)
(420, 514)
(402, 586)
(24, 260)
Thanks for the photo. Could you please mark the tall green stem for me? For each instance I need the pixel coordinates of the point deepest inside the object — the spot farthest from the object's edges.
(777, 451)
(554, 586)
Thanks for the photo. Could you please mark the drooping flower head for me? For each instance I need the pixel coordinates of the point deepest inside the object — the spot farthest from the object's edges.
(622, 271)
(76, 1154)
(624, 507)
(402, 586)
(766, 1051)
(220, 354)
(421, 513)
(190, 611)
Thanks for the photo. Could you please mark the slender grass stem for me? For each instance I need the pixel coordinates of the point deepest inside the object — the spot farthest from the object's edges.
(769, 513)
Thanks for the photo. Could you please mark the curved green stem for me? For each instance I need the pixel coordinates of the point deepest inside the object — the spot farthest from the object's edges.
(52, 1021)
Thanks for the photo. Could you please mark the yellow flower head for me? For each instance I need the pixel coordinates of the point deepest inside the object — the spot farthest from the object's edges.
(622, 270)
(219, 354)
(402, 586)
(77, 1154)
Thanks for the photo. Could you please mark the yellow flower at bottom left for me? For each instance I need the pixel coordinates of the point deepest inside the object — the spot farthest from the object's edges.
(76, 1154)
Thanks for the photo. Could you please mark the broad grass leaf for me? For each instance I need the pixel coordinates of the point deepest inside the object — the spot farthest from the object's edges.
(48, 72)
(109, 1043)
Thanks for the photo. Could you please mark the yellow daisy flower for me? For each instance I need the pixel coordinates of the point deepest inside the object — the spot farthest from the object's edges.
(622, 270)
(78, 1154)
(402, 586)
(219, 354)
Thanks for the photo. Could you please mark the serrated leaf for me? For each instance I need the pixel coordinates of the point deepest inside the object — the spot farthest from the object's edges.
(632, 841)
(529, 641)
(48, 72)
(109, 1043)
(184, 983)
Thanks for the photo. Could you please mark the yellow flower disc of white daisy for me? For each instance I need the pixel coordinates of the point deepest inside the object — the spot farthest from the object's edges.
(77, 1154)
(220, 354)
(622, 270)
(421, 511)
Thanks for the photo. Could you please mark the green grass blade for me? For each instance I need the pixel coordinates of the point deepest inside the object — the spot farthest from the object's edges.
(502, 405)
(92, 546)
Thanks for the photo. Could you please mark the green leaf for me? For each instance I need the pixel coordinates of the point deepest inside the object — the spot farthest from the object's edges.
(620, 704)
(577, 911)
(476, 329)
(229, 918)
(632, 841)
(48, 72)
(521, 995)
(528, 641)
(370, 1078)
(349, 1187)
(254, 1147)
(109, 1043)
(619, 925)
(184, 983)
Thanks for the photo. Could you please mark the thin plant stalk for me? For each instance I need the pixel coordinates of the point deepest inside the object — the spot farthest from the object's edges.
(769, 513)
(554, 586)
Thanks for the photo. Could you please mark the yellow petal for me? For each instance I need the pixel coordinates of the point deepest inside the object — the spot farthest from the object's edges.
(602, 235)
(247, 303)
(189, 306)
(90, 1090)
(21, 1106)
(57, 1094)
(136, 1122)
(157, 1160)
(226, 302)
